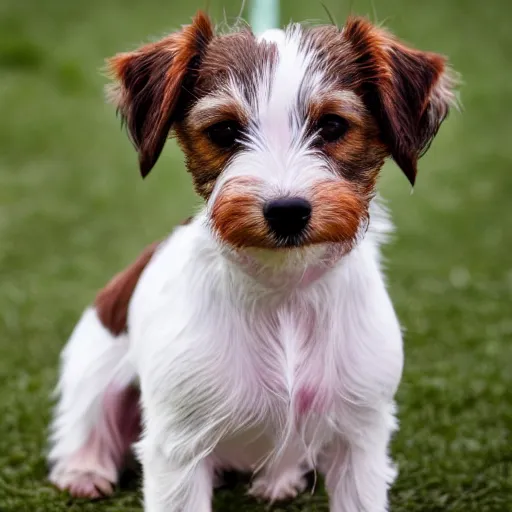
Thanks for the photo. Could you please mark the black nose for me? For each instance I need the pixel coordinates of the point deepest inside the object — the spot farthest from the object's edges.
(287, 216)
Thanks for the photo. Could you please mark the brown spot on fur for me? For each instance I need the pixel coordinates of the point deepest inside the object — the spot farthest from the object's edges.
(204, 160)
(154, 85)
(237, 215)
(235, 57)
(338, 209)
(214, 110)
(113, 300)
(360, 153)
(238, 57)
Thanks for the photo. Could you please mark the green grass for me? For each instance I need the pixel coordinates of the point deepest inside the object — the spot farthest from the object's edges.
(73, 211)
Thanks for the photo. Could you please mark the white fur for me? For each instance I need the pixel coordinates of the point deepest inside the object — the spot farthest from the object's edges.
(222, 363)
(91, 361)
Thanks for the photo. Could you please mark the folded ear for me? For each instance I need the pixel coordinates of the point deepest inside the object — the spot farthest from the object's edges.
(409, 92)
(153, 84)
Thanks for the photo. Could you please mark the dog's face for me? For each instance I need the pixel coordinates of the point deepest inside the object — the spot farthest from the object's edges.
(284, 134)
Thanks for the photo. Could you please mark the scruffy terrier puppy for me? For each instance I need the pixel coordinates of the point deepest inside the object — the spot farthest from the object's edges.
(259, 336)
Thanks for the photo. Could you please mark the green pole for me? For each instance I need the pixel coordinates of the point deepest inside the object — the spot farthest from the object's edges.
(264, 15)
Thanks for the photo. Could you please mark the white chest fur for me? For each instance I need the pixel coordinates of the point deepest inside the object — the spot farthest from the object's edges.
(252, 371)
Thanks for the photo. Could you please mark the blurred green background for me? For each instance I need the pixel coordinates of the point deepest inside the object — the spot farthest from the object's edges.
(73, 211)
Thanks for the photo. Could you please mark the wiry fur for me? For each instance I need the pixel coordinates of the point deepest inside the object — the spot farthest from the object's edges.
(251, 352)
(302, 368)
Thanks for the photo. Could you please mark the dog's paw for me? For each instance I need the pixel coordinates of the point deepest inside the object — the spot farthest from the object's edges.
(286, 486)
(83, 484)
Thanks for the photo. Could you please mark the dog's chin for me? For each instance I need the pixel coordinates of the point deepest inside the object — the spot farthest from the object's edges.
(287, 254)
(293, 255)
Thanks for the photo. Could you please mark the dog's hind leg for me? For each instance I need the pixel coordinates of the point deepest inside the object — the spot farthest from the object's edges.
(97, 417)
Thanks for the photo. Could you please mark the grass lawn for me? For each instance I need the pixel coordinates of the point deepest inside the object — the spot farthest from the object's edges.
(73, 211)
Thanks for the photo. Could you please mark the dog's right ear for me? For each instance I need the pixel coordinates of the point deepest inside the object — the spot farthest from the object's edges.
(409, 91)
(153, 82)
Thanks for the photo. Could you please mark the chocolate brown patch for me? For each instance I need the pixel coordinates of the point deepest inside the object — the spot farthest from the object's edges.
(237, 215)
(398, 86)
(360, 153)
(237, 57)
(155, 83)
(338, 209)
(112, 301)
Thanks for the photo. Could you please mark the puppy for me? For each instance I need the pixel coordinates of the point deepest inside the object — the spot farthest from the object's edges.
(259, 336)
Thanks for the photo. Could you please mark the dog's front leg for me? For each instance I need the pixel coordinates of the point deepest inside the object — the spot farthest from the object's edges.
(184, 419)
(180, 433)
(358, 471)
(175, 479)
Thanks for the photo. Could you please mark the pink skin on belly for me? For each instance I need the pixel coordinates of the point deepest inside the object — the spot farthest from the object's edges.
(310, 399)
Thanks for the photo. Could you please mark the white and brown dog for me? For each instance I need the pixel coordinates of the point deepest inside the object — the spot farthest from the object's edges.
(259, 336)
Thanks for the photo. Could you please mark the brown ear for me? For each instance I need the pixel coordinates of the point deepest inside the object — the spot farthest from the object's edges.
(408, 91)
(153, 83)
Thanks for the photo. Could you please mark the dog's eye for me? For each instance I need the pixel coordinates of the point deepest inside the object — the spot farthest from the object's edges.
(224, 134)
(331, 127)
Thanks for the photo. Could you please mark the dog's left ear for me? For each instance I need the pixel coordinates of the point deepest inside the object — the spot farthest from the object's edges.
(154, 82)
(408, 91)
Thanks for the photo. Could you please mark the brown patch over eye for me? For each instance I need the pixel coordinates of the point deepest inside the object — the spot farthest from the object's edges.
(235, 59)
(348, 136)
(209, 137)
(345, 104)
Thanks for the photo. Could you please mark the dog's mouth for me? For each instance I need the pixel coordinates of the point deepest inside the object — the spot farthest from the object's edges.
(291, 242)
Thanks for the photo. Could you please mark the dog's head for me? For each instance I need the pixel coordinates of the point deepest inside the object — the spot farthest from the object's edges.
(284, 134)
